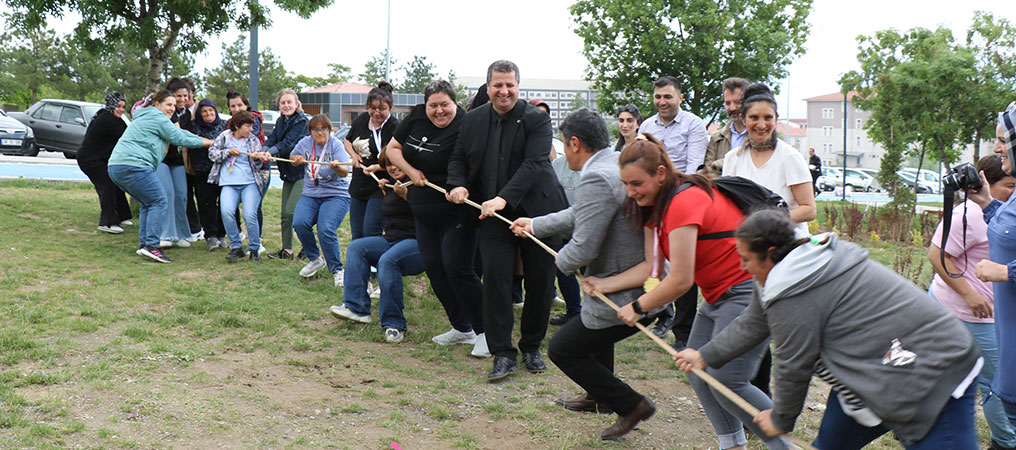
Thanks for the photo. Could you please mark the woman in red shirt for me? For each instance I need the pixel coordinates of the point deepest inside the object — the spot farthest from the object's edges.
(678, 211)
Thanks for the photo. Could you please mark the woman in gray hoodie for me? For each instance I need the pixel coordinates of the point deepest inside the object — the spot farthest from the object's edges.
(896, 359)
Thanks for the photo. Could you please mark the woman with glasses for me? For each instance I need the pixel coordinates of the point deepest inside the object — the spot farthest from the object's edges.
(628, 120)
(325, 198)
(368, 136)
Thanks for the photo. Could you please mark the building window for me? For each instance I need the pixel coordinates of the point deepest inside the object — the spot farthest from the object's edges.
(828, 148)
(858, 141)
(827, 131)
(827, 113)
(858, 124)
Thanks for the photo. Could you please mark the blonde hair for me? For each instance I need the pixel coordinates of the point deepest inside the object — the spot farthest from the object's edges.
(288, 91)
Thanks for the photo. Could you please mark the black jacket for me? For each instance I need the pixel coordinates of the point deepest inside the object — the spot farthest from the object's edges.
(285, 135)
(532, 187)
(103, 132)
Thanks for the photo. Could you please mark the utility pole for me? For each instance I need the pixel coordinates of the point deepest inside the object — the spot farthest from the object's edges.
(388, 46)
(252, 58)
(845, 94)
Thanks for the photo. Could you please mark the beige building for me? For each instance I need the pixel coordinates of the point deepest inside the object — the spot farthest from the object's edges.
(560, 95)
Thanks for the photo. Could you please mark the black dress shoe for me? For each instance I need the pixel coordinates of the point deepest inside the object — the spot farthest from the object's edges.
(645, 409)
(503, 366)
(662, 327)
(533, 362)
(583, 403)
(562, 318)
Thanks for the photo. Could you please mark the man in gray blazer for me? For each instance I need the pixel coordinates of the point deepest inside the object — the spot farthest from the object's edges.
(603, 242)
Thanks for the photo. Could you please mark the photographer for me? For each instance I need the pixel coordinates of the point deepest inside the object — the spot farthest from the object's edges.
(968, 298)
(1001, 268)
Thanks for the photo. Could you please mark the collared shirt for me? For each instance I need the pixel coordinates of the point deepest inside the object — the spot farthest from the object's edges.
(685, 139)
(736, 139)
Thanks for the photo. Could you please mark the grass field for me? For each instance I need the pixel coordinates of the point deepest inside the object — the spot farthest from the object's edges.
(100, 348)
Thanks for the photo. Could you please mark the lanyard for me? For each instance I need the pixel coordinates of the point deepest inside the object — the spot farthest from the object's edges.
(232, 160)
(376, 133)
(313, 156)
(657, 254)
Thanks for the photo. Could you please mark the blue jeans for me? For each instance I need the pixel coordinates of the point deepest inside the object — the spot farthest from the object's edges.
(1003, 430)
(327, 213)
(142, 184)
(174, 182)
(229, 198)
(365, 218)
(393, 260)
(569, 286)
(953, 430)
(726, 417)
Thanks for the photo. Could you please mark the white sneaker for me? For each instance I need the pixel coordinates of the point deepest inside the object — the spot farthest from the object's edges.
(312, 267)
(342, 312)
(373, 290)
(196, 236)
(165, 244)
(454, 336)
(112, 229)
(559, 300)
(262, 250)
(126, 223)
(337, 277)
(182, 243)
(394, 335)
(480, 348)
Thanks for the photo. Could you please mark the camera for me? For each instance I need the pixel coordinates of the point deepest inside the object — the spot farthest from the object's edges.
(962, 177)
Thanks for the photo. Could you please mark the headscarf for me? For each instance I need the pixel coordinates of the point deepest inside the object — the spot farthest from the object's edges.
(1007, 119)
(143, 103)
(112, 99)
(199, 122)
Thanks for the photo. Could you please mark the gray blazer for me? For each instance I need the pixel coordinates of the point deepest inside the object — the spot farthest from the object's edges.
(603, 241)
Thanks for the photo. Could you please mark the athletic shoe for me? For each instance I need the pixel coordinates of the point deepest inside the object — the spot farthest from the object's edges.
(558, 299)
(301, 256)
(342, 312)
(313, 267)
(111, 229)
(373, 290)
(223, 243)
(262, 250)
(394, 335)
(235, 254)
(182, 243)
(165, 244)
(281, 254)
(480, 348)
(154, 253)
(255, 256)
(213, 243)
(126, 223)
(196, 236)
(337, 277)
(453, 336)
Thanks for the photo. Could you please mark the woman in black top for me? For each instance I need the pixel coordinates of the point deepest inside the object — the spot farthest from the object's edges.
(446, 232)
(208, 125)
(105, 129)
(367, 137)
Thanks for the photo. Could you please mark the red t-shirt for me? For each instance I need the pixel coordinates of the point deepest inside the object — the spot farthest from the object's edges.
(717, 264)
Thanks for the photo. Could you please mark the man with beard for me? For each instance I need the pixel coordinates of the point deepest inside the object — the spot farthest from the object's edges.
(682, 133)
(734, 132)
(500, 159)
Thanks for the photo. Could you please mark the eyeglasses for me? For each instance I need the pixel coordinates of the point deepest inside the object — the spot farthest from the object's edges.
(319, 130)
(381, 107)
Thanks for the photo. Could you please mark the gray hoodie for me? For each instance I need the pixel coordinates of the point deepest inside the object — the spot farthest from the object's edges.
(826, 300)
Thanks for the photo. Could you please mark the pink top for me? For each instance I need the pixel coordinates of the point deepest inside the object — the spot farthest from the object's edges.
(976, 249)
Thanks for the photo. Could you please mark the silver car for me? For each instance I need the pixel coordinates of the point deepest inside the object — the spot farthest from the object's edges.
(15, 137)
(59, 125)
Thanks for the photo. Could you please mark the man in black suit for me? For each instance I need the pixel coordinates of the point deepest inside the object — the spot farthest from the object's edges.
(500, 159)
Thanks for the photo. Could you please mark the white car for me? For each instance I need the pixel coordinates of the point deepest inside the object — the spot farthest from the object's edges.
(927, 177)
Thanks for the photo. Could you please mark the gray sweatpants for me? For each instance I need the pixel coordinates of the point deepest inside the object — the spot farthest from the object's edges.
(726, 417)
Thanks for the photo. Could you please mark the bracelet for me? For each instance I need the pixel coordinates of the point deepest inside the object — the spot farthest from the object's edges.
(635, 306)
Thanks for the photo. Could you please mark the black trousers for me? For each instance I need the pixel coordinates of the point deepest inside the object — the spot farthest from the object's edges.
(193, 218)
(113, 206)
(685, 308)
(587, 357)
(498, 247)
(207, 196)
(447, 243)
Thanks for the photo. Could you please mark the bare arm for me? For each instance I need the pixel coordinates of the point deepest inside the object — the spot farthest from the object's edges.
(394, 152)
(805, 198)
(979, 306)
(682, 274)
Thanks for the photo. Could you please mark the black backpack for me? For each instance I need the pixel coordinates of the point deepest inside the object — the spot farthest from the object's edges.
(747, 195)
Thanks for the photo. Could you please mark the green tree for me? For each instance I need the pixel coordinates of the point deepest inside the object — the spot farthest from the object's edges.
(630, 43)
(993, 43)
(578, 102)
(339, 73)
(374, 71)
(418, 73)
(26, 62)
(232, 74)
(156, 26)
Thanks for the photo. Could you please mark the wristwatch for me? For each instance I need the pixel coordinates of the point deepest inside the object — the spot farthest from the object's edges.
(635, 306)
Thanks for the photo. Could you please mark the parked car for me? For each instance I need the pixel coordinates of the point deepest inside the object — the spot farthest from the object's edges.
(829, 179)
(59, 125)
(341, 133)
(923, 187)
(268, 123)
(16, 138)
(929, 177)
(860, 181)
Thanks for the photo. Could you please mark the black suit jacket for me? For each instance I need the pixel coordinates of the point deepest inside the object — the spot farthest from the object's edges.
(532, 187)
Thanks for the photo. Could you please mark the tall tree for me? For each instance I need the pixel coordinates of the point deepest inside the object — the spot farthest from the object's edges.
(26, 62)
(374, 71)
(156, 26)
(339, 73)
(418, 73)
(630, 43)
(993, 42)
(232, 74)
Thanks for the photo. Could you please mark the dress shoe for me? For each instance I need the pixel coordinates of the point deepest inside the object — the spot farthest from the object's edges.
(503, 366)
(583, 403)
(645, 409)
(533, 362)
(662, 327)
(562, 319)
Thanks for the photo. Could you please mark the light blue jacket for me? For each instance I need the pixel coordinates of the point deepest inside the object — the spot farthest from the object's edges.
(145, 141)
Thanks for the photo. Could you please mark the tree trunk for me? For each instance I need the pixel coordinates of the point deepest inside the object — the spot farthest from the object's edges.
(977, 145)
(156, 61)
(917, 178)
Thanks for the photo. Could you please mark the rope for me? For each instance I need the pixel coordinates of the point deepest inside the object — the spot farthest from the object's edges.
(713, 382)
(309, 161)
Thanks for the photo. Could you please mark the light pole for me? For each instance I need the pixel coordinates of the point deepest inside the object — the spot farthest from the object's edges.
(845, 94)
(252, 58)
(388, 46)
